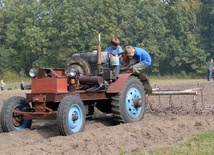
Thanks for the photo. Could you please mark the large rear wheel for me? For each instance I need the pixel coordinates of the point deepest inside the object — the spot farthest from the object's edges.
(129, 105)
(71, 115)
(9, 120)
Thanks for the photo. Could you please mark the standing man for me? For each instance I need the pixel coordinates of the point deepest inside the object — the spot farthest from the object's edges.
(2, 85)
(209, 69)
(22, 85)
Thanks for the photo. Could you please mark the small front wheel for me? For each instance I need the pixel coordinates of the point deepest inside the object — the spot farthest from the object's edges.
(71, 115)
(9, 120)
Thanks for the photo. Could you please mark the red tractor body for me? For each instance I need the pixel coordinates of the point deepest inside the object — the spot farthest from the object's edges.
(70, 95)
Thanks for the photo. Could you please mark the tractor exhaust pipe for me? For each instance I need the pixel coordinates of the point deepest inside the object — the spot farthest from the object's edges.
(99, 56)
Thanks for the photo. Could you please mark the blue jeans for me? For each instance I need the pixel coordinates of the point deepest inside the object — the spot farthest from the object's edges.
(209, 74)
(119, 66)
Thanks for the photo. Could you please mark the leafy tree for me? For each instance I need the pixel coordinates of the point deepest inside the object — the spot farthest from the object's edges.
(207, 29)
(181, 45)
(39, 33)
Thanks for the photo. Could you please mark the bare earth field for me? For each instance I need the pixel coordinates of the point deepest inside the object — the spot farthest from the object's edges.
(162, 127)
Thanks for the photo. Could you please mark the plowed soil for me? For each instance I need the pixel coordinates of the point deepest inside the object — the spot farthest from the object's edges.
(167, 121)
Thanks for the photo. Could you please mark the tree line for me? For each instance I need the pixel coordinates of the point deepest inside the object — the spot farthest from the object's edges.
(178, 34)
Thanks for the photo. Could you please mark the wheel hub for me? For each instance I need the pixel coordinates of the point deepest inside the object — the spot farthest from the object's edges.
(137, 102)
(74, 117)
(134, 102)
(17, 119)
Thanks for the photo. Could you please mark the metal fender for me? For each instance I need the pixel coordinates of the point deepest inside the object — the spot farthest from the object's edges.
(118, 85)
(146, 84)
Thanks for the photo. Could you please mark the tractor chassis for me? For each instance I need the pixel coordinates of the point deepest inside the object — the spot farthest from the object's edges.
(40, 109)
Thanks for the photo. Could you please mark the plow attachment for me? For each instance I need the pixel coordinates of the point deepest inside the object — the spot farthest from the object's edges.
(178, 101)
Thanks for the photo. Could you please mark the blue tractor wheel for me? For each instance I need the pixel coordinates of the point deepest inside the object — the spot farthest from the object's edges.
(129, 105)
(71, 115)
(11, 121)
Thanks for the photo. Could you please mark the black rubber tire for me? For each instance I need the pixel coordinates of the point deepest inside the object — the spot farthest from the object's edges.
(122, 103)
(9, 122)
(71, 105)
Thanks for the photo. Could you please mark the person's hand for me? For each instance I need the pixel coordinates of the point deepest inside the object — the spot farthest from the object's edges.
(126, 60)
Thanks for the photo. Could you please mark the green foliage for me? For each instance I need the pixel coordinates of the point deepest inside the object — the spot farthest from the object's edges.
(11, 77)
(207, 26)
(46, 33)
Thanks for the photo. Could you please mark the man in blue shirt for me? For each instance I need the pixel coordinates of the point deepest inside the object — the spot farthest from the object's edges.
(116, 50)
(141, 57)
(209, 69)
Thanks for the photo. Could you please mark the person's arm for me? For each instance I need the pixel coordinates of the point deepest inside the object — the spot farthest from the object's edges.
(137, 58)
(126, 61)
(120, 50)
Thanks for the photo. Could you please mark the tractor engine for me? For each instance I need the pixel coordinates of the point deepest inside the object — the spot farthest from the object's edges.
(88, 76)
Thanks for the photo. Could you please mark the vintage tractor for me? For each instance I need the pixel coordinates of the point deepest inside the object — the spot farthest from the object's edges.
(70, 95)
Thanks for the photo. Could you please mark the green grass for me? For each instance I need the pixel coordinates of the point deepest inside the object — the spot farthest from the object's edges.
(200, 145)
(13, 80)
(172, 80)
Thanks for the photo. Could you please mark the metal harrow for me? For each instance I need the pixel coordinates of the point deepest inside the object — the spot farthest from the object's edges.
(177, 106)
